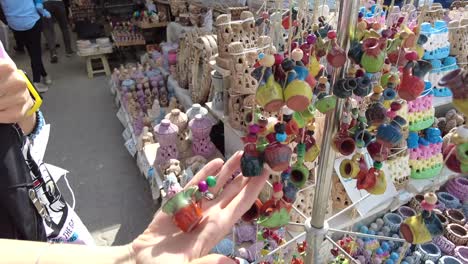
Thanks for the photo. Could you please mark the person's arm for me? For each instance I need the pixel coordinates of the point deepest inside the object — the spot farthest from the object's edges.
(15, 99)
(20, 252)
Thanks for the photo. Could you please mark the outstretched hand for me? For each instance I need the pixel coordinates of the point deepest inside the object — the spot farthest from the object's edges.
(164, 242)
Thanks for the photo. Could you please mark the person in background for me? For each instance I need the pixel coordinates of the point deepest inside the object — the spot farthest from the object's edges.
(58, 13)
(24, 19)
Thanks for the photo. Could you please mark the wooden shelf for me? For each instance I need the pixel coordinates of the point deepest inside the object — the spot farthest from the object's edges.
(152, 25)
(129, 44)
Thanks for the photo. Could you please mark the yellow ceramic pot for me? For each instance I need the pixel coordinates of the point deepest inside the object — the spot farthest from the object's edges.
(312, 153)
(414, 230)
(298, 95)
(314, 65)
(270, 95)
(380, 184)
(349, 169)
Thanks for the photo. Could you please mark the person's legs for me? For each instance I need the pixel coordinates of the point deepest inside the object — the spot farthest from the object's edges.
(32, 41)
(57, 9)
(49, 33)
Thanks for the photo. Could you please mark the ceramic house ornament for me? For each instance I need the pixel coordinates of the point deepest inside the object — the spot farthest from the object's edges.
(200, 127)
(166, 133)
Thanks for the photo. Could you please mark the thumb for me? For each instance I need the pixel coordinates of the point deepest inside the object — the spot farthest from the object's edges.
(214, 259)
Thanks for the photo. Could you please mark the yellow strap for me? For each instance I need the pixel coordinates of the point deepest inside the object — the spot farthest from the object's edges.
(34, 93)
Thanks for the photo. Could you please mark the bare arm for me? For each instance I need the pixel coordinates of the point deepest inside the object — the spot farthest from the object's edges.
(20, 252)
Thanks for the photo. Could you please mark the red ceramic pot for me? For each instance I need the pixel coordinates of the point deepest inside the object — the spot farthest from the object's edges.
(278, 156)
(344, 144)
(188, 217)
(254, 211)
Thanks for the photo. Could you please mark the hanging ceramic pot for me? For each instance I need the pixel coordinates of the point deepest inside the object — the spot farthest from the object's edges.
(185, 212)
(299, 172)
(251, 161)
(325, 103)
(412, 82)
(355, 52)
(343, 88)
(343, 143)
(376, 114)
(457, 81)
(377, 151)
(278, 156)
(298, 95)
(270, 95)
(363, 87)
(367, 180)
(390, 134)
(380, 182)
(421, 228)
(274, 214)
(336, 56)
(254, 212)
(363, 135)
(349, 168)
(374, 54)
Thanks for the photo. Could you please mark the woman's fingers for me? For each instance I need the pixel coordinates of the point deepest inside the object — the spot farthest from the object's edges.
(226, 172)
(211, 168)
(245, 199)
(231, 190)
(214, 259)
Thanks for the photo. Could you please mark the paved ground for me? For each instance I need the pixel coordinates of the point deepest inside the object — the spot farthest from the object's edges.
(112, 198)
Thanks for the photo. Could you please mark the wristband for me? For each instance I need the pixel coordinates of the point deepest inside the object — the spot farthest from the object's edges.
(32, 90)
(449, 260)
(406, 211)
(40, 122)
(429, 251)
(455, 216)
(457, 234)
(445, 245)
(461, 253)
(449, 200)
(393, 221)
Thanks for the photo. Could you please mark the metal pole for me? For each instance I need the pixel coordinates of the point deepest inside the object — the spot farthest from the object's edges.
(367, 235)
(348, 14)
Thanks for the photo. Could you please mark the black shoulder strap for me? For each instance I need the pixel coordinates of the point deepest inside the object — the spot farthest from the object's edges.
(19, 218)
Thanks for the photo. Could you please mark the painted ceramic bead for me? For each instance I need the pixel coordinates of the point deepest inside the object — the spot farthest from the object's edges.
(390, 135)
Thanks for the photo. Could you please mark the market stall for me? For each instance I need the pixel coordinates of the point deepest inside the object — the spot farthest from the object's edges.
(346, 109)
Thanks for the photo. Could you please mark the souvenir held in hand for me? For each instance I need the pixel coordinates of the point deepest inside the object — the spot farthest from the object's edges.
(185, 206)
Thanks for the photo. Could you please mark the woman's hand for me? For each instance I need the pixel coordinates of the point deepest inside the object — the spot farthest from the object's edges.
(15, 100)
(164, 242)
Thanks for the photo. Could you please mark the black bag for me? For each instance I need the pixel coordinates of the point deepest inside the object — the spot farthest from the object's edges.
(19, 218)
(88, 30)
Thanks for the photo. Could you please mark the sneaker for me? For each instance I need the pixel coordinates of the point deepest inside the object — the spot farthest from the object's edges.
(54, 58)
(47, 80)
(40, 87)
(69, 54)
